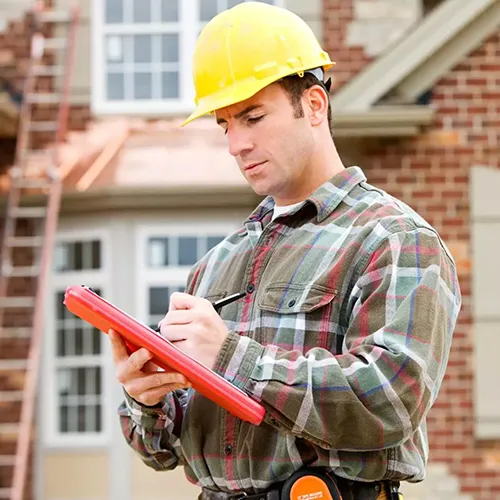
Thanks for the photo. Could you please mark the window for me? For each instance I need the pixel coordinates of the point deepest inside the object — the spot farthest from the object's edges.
(75, 350)
(166, 258)
(143, 50)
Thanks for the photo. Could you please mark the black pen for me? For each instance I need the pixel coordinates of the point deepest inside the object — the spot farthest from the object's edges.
(219, 304)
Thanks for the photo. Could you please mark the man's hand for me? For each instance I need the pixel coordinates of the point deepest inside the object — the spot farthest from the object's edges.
(141, 378)
(195, 327)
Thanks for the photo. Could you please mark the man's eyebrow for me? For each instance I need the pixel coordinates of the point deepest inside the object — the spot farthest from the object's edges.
(239, 115)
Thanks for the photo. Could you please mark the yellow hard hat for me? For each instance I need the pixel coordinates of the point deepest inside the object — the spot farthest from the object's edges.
(246, 48)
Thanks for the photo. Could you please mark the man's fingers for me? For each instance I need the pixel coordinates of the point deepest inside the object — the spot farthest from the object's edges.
(136, 361)
(154, 396)
(118, 346)
(178, 317)
(174, 333)
(145, 384)
(179, 300)
(150, 367)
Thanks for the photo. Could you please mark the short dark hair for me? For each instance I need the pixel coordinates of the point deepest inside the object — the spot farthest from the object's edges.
(295, 85)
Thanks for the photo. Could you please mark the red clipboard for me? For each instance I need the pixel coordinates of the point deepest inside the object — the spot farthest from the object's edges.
(94, 309)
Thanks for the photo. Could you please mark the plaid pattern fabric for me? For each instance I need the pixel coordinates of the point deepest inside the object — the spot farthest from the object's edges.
(344, 337)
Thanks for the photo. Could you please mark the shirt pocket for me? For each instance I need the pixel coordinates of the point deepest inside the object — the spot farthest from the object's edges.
(295, 316)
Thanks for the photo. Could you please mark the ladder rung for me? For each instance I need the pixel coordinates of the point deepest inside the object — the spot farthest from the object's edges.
(55, 43)
(21, 271)
(9, 428)
(15, 332)
(32, 183)
(10, 396)
(43, 126)
(29, 212)
(13, 364)
(7, 460)
(5, 493)
(38, 153)
(54, 16)
(44, 98)
(43, 70)
(25, 241)
(15, 302)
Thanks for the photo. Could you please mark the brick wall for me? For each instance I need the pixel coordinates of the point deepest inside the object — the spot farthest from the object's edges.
(357, 31)
(431, 173)
(16, 39)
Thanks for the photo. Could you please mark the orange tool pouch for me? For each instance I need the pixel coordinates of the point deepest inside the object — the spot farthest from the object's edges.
(310, 484)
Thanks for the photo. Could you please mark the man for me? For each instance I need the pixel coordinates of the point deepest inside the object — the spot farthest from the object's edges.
(351, 297)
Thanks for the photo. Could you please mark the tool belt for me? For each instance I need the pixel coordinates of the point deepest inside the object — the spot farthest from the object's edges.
(315, 484)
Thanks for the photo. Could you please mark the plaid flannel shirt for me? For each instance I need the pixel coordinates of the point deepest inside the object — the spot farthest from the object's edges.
(344, 337)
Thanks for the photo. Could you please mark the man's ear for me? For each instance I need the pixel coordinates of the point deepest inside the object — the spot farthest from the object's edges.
(316, 104)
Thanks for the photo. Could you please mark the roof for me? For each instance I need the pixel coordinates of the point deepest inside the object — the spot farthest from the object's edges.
(413, 64)
(126, 155)
(132, 154)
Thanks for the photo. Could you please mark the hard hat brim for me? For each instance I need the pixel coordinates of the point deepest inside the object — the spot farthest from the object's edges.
(238, 93)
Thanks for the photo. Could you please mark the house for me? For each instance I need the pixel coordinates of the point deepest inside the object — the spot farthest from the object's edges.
(416, 102)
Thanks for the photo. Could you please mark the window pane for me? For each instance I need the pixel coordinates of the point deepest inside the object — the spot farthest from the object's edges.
(60, 307)
(114, 11)
(142, 48)
(188, 250)
(98, 380)
(77, 256)
(158, 252)
(212, 241)
(61, 343)
(114, 48)
(170, 48)
(80, 375)
(170, 11)
(61, 257)
(143, 85)
(98, 418)
(159, 298)
(169, 85)
(96, 341)
(142, 11)
(63, 419)
(208, 9)
(115, 87)
(79, 333)
(96, 254)
(82, 410)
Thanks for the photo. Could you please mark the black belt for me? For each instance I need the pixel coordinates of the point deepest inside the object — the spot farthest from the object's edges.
(350, 490)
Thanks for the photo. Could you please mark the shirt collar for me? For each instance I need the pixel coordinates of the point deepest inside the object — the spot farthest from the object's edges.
(326, 198)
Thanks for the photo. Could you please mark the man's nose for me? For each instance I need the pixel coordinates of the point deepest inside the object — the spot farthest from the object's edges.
(238, 141)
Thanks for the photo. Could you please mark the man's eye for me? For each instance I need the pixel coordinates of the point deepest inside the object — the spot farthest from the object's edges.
(255, 119)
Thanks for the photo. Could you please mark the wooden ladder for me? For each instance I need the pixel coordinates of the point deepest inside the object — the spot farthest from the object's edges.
(30, 223)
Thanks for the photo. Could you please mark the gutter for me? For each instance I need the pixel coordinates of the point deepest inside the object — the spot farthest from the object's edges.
(98, 200)
(382, 121)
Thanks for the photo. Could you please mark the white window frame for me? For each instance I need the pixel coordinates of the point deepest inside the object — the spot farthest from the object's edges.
(170, 275)
(52, 437)
(188, 27)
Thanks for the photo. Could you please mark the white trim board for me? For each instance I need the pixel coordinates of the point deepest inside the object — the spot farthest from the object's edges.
(443, 60)
(444, 23)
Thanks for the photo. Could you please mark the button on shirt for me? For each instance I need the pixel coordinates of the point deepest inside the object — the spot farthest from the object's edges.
(344, 340)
